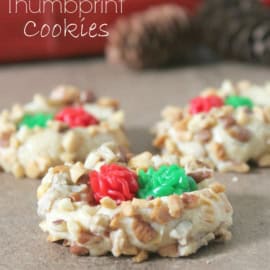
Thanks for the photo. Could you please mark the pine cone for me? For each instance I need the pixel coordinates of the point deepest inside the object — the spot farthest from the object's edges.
(236, 29)
(153, 38)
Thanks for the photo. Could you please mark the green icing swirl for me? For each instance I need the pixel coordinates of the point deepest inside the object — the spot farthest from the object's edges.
(165, 181)
(239, 101)
(36, 120)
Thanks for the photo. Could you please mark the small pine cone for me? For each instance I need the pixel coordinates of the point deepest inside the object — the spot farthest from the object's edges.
(236, 29)
(150, 39)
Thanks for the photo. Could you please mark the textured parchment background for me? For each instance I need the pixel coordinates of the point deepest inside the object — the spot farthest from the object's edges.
(23, 245)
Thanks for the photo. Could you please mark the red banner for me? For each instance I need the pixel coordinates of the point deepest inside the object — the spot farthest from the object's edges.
(31, 29)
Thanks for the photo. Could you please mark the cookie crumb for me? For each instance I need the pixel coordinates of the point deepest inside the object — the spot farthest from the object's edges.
(209, 261)
(235, 179)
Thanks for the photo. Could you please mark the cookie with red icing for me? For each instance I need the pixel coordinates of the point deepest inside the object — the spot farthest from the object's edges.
(62, 127)
(225, 127)
(133, 205)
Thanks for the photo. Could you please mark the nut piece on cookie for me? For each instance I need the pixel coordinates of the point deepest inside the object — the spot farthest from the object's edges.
(226, 127)
(148, 204)
(63, 127)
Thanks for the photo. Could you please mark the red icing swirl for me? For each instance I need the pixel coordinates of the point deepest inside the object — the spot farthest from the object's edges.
(205, 104)
(114, 181)
(76, 117)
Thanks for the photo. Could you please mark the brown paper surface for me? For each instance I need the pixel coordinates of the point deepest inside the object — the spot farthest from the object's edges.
(143, 95)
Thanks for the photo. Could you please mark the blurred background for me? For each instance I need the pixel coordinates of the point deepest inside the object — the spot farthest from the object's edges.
(137, 33)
